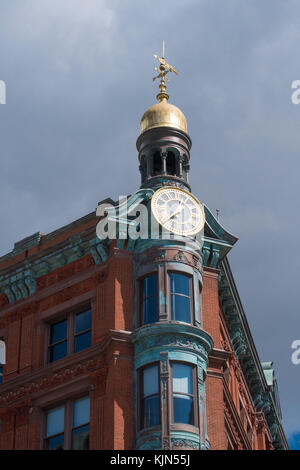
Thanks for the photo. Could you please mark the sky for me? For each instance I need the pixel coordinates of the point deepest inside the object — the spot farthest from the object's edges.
(78, 78)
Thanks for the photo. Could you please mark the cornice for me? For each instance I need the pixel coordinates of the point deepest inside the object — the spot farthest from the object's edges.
(244, 347)
(20, 280)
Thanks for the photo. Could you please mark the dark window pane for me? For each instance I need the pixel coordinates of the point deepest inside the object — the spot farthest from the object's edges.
(81, 411)
(171, 163)
(180, 283)
(183, 409)
(58, 331)
(55, 421)
(150, 380)
(151, 412)
(180, 308)
(81, 438)
(150, 285)
(150, 310)
(1, 373)
(182, 378)
(157, 163)
(82, 341)
(58, 352)
(56, 443)
(83, 321)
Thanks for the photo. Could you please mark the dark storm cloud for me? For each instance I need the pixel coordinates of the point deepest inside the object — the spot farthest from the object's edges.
(78, 76)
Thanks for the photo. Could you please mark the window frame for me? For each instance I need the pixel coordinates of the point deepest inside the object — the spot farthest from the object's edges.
(70, 317)
(47, 411)
(2, 364)
(191, 296)
(170, 413)
(68, 421)
(140, 386)
(142, 298)
(195, 396)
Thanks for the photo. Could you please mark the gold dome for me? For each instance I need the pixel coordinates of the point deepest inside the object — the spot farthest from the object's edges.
(163, 114)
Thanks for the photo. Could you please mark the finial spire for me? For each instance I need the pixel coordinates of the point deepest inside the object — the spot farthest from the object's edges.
(163, 69)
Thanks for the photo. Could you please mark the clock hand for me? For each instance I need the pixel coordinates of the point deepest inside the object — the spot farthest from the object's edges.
(178, 210)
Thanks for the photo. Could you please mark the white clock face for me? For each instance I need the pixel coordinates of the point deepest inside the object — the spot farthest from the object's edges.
(178, 211)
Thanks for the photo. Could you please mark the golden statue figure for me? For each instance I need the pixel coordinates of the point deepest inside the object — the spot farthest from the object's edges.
(163, 70)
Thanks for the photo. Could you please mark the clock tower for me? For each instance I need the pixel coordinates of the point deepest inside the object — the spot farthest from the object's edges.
(171, 346)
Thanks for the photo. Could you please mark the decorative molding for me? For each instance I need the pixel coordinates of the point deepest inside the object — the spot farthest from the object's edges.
(244, 349)
(173, 341)
(180, 257)
(184, 444)
(157, 254)
(164, 387)
(49, 381)
(24, 281)
(239, 343)
(99, 251)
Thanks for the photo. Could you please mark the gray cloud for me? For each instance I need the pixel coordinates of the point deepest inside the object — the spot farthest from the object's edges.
(78, 78)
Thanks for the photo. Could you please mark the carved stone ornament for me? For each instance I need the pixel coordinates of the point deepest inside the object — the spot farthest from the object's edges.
(47, 382)
(166, 443)
(170, 341)
(181, 257)
(184, 443)
(175, 184)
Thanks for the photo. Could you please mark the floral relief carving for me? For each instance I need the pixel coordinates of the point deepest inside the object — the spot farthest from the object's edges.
(172, 341)
(51, 380)
(184, 443)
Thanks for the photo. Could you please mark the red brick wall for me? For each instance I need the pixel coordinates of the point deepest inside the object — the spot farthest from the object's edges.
(220, 370)
(215, 413)
(111, 292)
(210, 305)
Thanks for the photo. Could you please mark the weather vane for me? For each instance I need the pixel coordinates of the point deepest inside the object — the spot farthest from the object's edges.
(163, 69)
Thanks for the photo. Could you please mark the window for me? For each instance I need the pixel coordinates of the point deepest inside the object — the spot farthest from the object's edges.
(183, 390)
(81, 424)
(157, 163)
(67, 426)
(55, 429)
(72, 334)
(171, 163)
(2, 359)
(58, 341)
(149, 299)
(149, 393)
(83, 330)
(180, 297)
(183, 395)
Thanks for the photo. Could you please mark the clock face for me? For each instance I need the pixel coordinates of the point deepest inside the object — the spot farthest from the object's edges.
(178, 211)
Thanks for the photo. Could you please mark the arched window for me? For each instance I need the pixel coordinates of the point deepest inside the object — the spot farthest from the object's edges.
(143, 167)
(2, 358)
(171, 164)
(157, 163)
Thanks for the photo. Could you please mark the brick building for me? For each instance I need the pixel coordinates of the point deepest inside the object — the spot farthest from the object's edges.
(133, 343)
